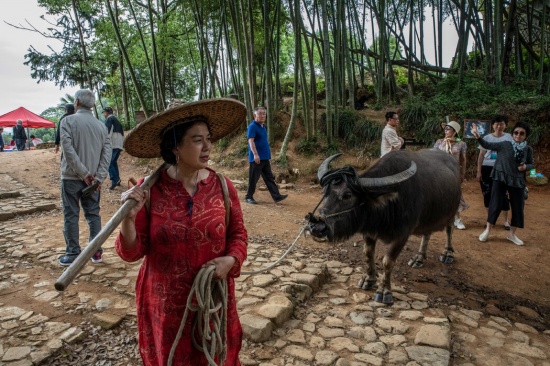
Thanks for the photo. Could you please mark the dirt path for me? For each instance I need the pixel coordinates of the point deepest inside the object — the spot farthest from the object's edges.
(496, 277)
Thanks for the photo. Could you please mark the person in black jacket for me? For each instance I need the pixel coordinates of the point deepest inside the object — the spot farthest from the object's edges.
(19, 135)
(514, 159)
(1, 139)
(69, 109)
(116, 133)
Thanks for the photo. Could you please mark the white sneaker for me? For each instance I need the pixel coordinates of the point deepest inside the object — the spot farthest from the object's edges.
(459, 225)
(484, 236)
(514, 239)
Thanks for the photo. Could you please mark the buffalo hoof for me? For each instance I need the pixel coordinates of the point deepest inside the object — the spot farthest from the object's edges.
(416, 263)
(366, 284)
(385, 298)
(446, 258)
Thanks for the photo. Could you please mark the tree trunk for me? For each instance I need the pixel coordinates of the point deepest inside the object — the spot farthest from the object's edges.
(127, 59)
(511, 25)
(267, 63)
(327, 67)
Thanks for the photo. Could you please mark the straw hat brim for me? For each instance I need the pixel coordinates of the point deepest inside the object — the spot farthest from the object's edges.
(224, 116)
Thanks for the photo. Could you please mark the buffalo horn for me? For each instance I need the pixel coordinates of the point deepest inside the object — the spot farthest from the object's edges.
(324, 167)
(383, 182)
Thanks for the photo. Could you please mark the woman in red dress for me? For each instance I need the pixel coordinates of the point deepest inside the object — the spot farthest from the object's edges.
(182, 228)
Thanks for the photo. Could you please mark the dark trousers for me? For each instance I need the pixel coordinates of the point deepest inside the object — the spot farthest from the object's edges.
(114, 175)
(20, 144)
(263, 169)
(486, 184)
(517, 203)
(71, 195)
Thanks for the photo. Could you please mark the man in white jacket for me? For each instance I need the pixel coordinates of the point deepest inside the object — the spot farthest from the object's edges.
(390, 140)
(85, 160)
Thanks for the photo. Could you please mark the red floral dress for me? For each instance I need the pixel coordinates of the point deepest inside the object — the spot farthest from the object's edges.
(176, 237)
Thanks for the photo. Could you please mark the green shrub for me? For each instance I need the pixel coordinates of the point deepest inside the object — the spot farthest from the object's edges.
(346, 123)
(331, 149)
(308, 147)
(223, 143)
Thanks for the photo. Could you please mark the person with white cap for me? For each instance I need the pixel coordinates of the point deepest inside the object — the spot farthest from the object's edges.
(453, 145)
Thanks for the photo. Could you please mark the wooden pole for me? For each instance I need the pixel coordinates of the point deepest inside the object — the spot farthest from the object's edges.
(74, 269)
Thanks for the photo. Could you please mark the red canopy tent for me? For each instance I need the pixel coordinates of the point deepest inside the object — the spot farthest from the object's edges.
(30, 120)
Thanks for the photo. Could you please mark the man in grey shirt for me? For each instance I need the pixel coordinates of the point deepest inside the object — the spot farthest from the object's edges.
(85, 162)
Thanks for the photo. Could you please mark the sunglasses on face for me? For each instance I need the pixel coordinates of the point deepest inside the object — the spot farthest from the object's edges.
(520, 133)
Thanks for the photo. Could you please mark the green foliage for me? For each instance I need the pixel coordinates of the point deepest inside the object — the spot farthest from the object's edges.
(356, 129)
(331, 149)
(346, 123)
(368, 131)
(223, 143)
(395, 49)
(44, 134)
(308, 147)
(401, 77)
(422, 115)
(282, 161)
(417, 120)
(320, 85)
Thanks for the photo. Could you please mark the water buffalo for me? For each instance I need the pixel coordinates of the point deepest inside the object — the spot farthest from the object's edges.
(403, 193)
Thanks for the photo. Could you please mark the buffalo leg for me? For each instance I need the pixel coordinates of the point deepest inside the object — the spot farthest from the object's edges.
(418, 260)
(369, 279)
(383, 293)
(447, 256)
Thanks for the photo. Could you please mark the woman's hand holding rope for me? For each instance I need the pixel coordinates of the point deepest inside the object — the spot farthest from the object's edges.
(223, 266)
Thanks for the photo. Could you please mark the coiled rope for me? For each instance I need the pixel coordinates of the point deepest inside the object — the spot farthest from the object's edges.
(212, 306)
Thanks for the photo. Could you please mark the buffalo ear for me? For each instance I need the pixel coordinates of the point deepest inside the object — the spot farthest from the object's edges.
(381, 199)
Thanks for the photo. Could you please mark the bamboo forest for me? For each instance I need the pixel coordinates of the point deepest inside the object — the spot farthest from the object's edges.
(325, 54)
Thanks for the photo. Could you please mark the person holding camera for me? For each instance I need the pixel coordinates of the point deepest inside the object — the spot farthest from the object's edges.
(84, 165)
(514, 158)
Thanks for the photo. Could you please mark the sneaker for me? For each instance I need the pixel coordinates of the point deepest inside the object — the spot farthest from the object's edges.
(282, 197)
(506, 226)
(459, 225)
(97, 257)
(484, 236)
(514, 239)
(252, 201)
(114, 185)
(66, 261)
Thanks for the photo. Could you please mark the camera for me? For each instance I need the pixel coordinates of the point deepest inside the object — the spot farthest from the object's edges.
(87, 192)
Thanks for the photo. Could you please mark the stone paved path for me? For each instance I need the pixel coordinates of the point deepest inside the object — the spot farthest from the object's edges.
(308, 311)
(17, 199)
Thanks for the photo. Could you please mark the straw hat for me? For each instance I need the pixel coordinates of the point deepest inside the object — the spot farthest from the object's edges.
(223, 115)
(452, 124)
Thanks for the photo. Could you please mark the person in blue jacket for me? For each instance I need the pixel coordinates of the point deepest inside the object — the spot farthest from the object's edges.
(259, 154)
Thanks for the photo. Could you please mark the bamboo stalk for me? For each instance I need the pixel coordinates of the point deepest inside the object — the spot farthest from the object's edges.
(74, 269)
